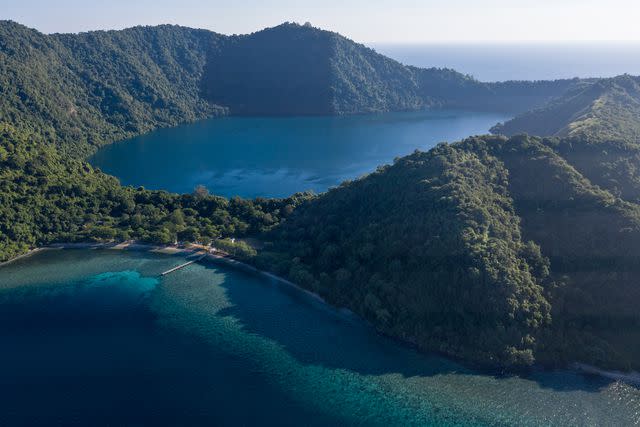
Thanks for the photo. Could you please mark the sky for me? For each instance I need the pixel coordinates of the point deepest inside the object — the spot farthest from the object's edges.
(367, 21)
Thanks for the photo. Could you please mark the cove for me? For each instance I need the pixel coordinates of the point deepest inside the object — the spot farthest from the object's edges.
(96, 337)
(279, 156)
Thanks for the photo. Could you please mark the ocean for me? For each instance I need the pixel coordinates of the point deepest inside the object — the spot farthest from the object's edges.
(526, 61)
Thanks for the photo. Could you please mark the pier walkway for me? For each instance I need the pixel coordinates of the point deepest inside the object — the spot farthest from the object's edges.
(183, 265)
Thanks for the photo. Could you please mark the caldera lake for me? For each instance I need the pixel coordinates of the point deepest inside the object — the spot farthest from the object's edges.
(98, 337)
(279, 156)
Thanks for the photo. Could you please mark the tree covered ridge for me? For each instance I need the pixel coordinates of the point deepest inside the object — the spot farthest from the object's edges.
(85, 90)
(592, 239)
(294, 69)
(428, 249)
(494, 250)
(604, 109)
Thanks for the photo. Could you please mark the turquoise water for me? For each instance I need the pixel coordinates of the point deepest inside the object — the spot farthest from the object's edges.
(278, 156)
(97, 337)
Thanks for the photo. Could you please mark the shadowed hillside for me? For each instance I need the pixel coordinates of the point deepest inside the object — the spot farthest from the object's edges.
(293, 69)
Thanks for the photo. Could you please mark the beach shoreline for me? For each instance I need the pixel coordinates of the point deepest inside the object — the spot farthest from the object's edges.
(632, 378)
(218, 257)
(22, 256)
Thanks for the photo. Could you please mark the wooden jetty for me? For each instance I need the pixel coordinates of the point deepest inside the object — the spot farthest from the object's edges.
(182, 265)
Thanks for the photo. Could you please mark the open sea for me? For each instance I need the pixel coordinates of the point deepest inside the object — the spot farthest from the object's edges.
(524, 61)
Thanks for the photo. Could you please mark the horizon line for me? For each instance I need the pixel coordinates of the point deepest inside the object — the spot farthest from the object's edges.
(371, 42)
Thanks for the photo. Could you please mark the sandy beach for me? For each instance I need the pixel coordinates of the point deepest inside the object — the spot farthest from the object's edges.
(217, 257)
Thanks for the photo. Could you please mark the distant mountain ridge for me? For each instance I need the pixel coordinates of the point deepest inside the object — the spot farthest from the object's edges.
(85, 90)
(607, 108)
(294, 69)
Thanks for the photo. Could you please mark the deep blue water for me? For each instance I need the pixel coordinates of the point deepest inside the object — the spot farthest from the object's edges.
(98, 338)
(278, 156)
(527, 61)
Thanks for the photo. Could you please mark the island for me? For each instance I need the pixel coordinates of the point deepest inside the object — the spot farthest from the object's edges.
(502, 251)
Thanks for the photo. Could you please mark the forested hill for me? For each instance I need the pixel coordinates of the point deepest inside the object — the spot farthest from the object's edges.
(449, 88)
(84, 90)
(494, 250)
(429, 250)
(293, 69)
(93, 88)
(299, 69)
(608, 109)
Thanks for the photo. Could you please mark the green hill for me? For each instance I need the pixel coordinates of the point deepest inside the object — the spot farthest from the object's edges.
(448, 88)
(294, 69)
(89, 89)
(605, 109)
(494, 250)
(592, 240)
(612, 165)
(429, 250)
